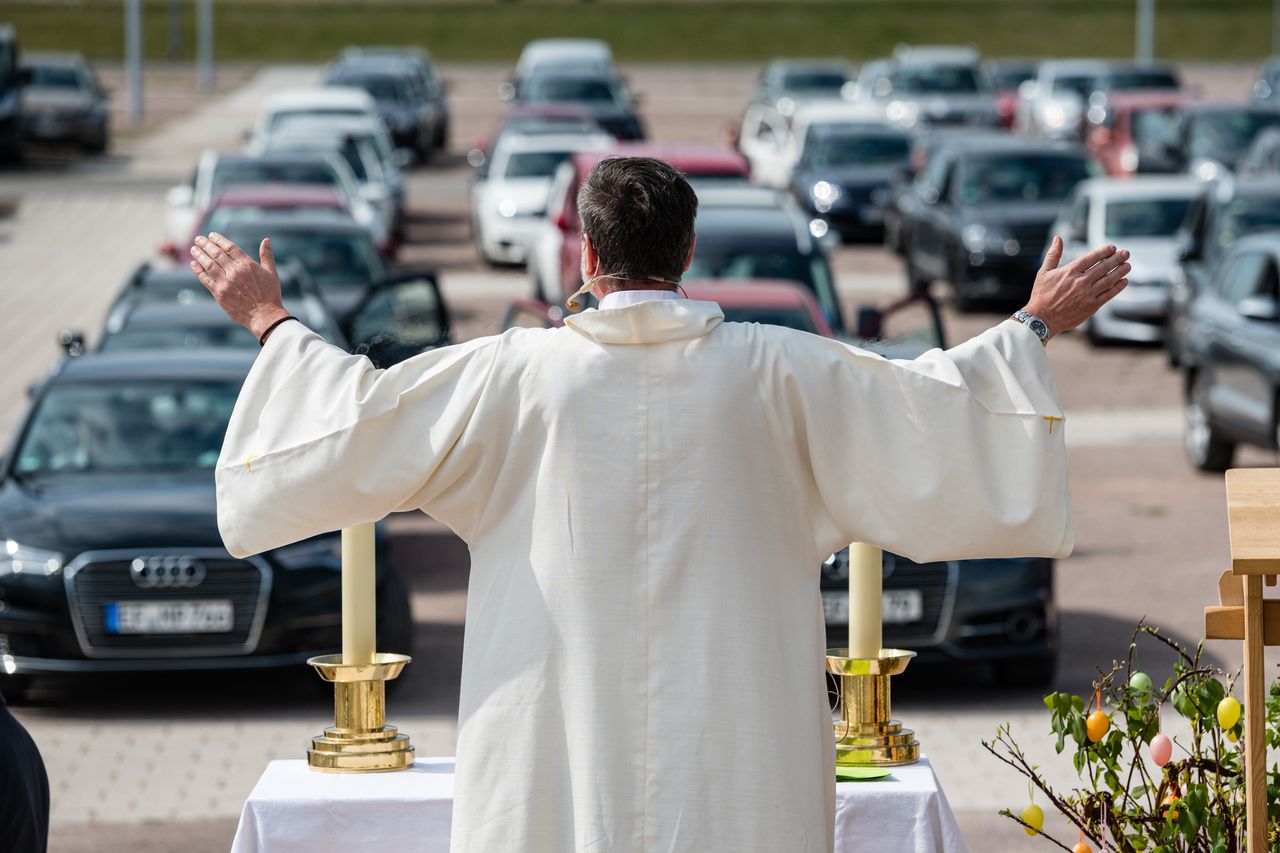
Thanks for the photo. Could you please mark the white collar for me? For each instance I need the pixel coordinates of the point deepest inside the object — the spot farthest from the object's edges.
(623, 298)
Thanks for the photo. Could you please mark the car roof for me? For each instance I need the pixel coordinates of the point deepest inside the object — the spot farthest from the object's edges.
(750, 222)
(279, 195)
(1011, 143)
(519, 141)
(319, 96)
(349, 123)
(298, 222)
(49, 57)
(277, 157)
(1139, 98)
(560, 109)
(1256, 186)
(374, 63)
(941, 54)
(143, 365)
(560, 47)
(1143, 186)
(181, 315)
(704, 159)
(836, 109)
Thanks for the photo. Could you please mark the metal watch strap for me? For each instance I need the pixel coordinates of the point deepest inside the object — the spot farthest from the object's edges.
(1038, 327)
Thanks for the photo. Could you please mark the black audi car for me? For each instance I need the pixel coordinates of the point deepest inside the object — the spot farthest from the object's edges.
(982, 214)
(110, 557)
(844, 173)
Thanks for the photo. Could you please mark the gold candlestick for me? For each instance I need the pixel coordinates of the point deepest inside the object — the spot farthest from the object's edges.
(360, 741)
(866, 734)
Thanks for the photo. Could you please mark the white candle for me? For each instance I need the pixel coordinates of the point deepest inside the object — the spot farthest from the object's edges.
(865, 600)
(359, 594)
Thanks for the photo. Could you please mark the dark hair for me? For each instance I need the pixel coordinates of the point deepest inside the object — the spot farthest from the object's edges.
(639, 214)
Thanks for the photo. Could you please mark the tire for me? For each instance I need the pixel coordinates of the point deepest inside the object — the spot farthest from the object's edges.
(1206, 449)
(1031, 672)
(15, 688)
(1091, 334)
(395, 616)
(98, 145)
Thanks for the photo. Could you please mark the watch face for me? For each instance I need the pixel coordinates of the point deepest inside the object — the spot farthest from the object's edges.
(1039, 328)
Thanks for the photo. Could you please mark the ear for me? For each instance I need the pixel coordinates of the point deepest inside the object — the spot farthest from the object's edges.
(688, 262)
(590, 260)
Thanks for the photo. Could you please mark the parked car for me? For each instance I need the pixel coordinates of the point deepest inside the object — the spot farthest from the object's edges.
(1138, 132)
(1145, 215)
(604, 95)
(1226, 211)
(216, 172)
(930, 86)
(431, 84)
(533, 120)
(784, 83)
(1213, 137)
(332, 101)
(842, 177)
(555, 255)
(63, 102)
(409, 112)
(1232, 355)
(1266, 86)
(773, 144)
(1006, 77)
(1053, 104)
(559, 55)
(508, 204)
(257, 199)
(114, 561)
(12, 131)
(985, 207)
(201, 325)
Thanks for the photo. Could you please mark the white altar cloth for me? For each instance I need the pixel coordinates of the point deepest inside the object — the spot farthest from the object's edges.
(294, 809)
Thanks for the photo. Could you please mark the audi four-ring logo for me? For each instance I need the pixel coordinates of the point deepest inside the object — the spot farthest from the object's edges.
(167, 572)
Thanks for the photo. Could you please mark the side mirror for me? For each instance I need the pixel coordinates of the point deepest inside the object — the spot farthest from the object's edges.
(183, 195)
(507, 91)
(72, 342)
(1264, 309)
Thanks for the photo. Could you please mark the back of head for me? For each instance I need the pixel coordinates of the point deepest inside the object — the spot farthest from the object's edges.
(638, 213)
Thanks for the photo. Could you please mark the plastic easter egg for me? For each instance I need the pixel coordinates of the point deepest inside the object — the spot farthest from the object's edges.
(1097, 726)
(1033, 817)
(1082, 848)
(1171, 805)
(1232, 736)
(1161, 750)
(1229, 712)
(1140, 685)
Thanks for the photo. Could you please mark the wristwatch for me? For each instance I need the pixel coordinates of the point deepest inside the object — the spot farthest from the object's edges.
(1035, 324)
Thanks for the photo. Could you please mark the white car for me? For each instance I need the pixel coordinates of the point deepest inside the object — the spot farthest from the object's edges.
(773, 144)
(317, 101)
(187, 203)
(580, 54)
(1052, 104)
(1141, 214)
(507, 207)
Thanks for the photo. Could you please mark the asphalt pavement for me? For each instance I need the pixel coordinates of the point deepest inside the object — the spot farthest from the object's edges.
(145, 763)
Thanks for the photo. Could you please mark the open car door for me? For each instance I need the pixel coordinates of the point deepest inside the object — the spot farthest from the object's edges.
(399, 318)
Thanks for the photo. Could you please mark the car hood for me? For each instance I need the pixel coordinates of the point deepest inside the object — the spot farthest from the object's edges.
(529, 194)
(1151, 258)
(56, 99)
(1014, 214)
(75, 513)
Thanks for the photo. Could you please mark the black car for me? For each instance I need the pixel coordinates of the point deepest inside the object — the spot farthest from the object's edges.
(1228, 210)
(411, 102)
(604, 95)
(1232, 355)
(431, 82)
(792, 80)
(62, 101)
(843, 174)
(1213, 137)
(1266, 87)
(11, 125)
(112, 558)
(982, 214)
(997, 612)
(927, 86)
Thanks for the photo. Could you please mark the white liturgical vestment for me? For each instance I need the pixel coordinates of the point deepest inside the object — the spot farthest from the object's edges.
(647, 495)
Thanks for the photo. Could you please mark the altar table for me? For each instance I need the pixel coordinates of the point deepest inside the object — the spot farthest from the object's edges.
(294, 809)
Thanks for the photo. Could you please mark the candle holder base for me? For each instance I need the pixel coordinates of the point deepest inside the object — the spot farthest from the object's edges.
(360, 741)
(866, 735)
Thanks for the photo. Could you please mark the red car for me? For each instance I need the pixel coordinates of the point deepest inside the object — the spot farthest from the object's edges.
(250, 200)
(776, 303)
(555, 254)
(1138, 131)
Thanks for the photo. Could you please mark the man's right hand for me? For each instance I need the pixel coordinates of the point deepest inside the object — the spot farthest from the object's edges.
(1065, 297)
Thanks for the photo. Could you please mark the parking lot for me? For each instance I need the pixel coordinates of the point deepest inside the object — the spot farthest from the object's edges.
(186, 749)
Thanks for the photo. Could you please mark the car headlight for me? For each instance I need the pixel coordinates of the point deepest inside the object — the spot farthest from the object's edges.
(902, 112)
(824, 195)
(18, 559)
(508, 208)
(1055, 115)
(1207, 170)
(322, 553)
(985, 238)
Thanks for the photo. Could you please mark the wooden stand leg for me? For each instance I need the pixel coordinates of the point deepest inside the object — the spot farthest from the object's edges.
(1255, 678)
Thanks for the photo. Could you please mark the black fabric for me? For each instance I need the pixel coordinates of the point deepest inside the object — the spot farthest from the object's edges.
(24, 789)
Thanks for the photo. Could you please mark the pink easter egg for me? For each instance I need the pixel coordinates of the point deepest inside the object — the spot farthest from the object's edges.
(1161, 750)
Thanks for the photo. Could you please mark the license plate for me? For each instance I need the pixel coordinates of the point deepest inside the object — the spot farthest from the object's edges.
(898, 606)
(169, 617)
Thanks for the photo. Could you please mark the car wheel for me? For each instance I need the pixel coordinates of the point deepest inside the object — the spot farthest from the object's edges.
(1091, 333)
(1206, 450)
(1037, 672)
(15, 688)
(98, 145)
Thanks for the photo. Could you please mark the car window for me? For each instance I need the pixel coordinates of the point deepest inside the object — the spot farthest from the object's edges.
(1244, 216)
(828, 151)
(534, 164)
(1152, 217)
(174, 338)
(554, 89)
(238, 172)
(57, 77)
(936, 80)
(1079, 224)
(1157, 128)
(997, 179)
(119, 427)
(332, 259)
(1241, 279)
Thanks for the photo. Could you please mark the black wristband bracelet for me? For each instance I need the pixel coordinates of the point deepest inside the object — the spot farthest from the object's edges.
(262, 341)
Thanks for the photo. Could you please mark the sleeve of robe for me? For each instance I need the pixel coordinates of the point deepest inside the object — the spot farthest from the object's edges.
(956, 454)
(321, 439)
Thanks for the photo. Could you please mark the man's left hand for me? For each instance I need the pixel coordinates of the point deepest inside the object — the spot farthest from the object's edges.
(249, 292)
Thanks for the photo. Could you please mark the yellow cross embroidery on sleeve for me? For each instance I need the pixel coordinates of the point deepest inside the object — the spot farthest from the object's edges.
(1052, 420)
(248, 462)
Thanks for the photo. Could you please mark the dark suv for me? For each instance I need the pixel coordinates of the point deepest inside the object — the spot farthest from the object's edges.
(982, 211)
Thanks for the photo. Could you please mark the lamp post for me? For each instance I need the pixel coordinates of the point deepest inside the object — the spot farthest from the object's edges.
(133, 58)
(1145, 47)
(204, 44)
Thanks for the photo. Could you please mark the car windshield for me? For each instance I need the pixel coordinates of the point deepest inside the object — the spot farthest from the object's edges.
(997, 179)
(713, 259)
(791, 318)
(280, 118)
(936, 80)
(1246, 215)
(239, 172)
(1008, 79)
(56, 76)
(1148, 217)
(391, 89)
(224, 217)
(1158, 127)
(859, 150)
(127, 427)
(1074, 84)
(545, 126)
(204, 337)
(815, 81)
(555, 89)
(1138, 79)
(1225, 135)
(332, 259)
(534, 164)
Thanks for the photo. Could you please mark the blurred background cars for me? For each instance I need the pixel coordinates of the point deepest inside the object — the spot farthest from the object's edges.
(12, 132)
(1006, 77)
(843, 175)
(63, 102)
(784, 83)
(590, 57)
(414, 114)
(604, 96)
(1213, 137)
(930, 85)
(1139, 131)
(1145, 215)
(329, 101)
(532, 120)
(1053, 103)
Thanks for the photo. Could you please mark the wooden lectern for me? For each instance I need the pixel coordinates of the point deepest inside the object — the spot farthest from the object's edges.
(1253, 516)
